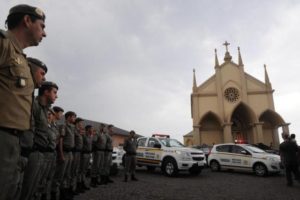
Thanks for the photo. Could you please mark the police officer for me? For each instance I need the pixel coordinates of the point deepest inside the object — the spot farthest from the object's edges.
(288, 151)
(67, 146)
(49, 157)
(86, 154)
(35, 169)
(25, 28)
(130, 146)
(56, 175)
(39, 70)
(108, 154)
(79, 131)
(99, 144)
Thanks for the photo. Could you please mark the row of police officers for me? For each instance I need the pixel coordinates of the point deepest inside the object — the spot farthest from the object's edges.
(41, 157)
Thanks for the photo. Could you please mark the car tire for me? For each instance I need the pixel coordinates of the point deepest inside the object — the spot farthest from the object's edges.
(150, 168)
(169, 167)
(260, 169)
(214, 166)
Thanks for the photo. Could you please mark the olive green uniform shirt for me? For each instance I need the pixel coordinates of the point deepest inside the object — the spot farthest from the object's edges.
(16, 84)
(78, 140)
(69, 137)
(109, 142)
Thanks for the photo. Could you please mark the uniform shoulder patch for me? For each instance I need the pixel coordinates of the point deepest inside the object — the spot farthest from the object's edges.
(3, 34)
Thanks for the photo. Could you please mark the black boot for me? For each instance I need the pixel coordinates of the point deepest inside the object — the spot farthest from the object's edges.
(93, 182)
(65, 194)
(53, 196)
(73, 192)
(109, 180)
(102, 180)
(84, 187)
(79, 188)
(125, 178)
(133, 178)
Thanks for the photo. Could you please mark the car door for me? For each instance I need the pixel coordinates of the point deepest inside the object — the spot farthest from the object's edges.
(140, 152)
(240, 157)
(152, 151)
(224, 155)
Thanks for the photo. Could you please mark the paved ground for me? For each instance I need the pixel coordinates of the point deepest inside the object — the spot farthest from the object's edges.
(208, 185)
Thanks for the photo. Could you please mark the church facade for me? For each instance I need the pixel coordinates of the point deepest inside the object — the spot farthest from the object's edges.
(233, 106)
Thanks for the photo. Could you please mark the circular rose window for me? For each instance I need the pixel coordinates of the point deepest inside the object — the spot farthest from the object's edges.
(231, 94)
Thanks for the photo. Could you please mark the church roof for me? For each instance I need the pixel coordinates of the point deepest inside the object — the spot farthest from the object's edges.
(190, 134)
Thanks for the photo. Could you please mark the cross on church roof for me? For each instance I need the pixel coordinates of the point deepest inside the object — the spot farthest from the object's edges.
(226, 44)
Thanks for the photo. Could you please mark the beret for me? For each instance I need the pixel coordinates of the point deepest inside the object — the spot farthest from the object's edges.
(49, 84)
(78, 119)
(38, 63)
(27, 9)
(58, 109)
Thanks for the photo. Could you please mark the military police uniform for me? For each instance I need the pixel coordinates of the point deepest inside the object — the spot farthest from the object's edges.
(76, 157)
(99, 145)
(34, 169)
(85, 158)
(16, 89)
(107, 158)
(130, 146)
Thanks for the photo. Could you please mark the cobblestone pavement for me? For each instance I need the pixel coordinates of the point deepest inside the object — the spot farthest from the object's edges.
(208, 185)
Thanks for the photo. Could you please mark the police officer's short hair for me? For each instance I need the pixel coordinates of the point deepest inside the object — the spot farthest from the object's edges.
(78, 119)
(57, 109)
(17, 13)
(69, 113)
(34, 63)
(46, 86)
(110, 126)
(88, 127)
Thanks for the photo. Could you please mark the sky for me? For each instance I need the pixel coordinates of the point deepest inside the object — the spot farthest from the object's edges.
(130, 62)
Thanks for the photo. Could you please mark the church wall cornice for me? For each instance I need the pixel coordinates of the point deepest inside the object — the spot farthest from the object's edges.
(213, 94)
(260, 92)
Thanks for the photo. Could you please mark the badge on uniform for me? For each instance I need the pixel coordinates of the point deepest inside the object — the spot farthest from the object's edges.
(21, 82)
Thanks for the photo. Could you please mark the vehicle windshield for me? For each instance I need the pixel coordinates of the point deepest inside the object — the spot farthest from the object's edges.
(254, 149)
(170, 142)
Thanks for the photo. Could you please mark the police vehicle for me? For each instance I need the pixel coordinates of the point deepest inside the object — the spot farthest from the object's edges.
(169, 155)
(243, 157)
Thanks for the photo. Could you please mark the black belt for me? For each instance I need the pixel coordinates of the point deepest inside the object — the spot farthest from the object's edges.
(12, 131)
(68, 149)
(86, 152)
(77, 150)
(42, 149)
(108, 150)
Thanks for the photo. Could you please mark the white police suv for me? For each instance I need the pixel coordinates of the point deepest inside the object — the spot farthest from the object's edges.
(244, 157)
(168, 154)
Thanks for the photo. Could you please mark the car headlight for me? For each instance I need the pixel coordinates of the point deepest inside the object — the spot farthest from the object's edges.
(183, 153)
(272, 159)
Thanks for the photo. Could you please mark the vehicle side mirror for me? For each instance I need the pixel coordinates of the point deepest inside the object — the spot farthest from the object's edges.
(157, 145)
(244, 152)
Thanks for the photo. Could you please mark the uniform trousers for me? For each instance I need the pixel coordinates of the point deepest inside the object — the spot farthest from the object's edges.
(62, 173)
(48, 173)
(107, 162)
(9, 164)
(130, 164)
(32, 175)
(292, 168)
(75, 169)
(98, 161)
(85, 159)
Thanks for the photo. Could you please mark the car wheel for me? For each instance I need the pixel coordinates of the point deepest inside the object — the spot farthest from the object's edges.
(150, 168)
(214, 166)
(260, 169)
(169, 167)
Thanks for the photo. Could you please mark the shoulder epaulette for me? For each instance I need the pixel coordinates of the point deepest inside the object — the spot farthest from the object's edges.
(3, 33)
